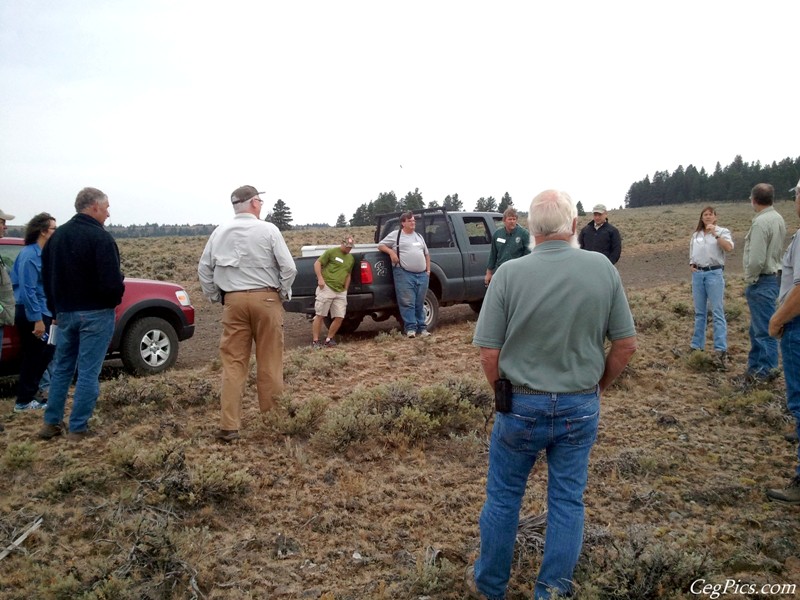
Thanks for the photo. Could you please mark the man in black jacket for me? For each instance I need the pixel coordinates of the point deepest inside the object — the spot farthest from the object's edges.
(83, 283)
(601, 236)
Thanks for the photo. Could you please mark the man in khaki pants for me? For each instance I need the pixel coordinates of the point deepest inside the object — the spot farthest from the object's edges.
(247, 266)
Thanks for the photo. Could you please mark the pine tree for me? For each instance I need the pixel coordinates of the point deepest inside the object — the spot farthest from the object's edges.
(280, 216)
(411, 201)
(453, 203)
(486, 204)
(505, 202)
(341, 221)
(579, 207)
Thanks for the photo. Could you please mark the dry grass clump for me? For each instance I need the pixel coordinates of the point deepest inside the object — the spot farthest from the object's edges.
(401, 411)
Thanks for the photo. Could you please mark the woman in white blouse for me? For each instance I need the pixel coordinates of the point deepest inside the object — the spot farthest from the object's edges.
(707, 250)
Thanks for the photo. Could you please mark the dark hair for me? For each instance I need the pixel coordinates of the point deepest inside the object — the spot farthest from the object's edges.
(87, 197)
(37, 225)
(763, 194)
(700, 225)
(406, 216)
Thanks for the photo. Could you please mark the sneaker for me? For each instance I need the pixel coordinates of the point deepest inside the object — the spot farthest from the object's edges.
(679, 352)
(472, 587)
(330, 343)
(48, 431)
(788, 495)
(32, 405)
(721, 360)
(316, 345)
(411, 334)
(424, 333)
(41, 396)
(227, 435)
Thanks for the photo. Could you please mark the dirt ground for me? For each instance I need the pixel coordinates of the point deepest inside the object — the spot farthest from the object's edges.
(639, 271)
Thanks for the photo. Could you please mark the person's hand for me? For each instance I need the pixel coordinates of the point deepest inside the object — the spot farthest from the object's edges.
(38, 329)
(321, 283)
(487, 279)
(775, 330)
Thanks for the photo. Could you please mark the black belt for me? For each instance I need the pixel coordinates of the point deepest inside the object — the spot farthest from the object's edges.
(714, 268)
(767, 274)
(521, 389)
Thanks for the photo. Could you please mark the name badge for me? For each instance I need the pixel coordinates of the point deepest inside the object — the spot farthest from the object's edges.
(417, 244)
(338, 259)
(501, 240)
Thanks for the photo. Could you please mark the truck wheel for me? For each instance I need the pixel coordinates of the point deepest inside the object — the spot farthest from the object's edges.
(431, 310)
(349, 324)
(476, 306)
(150, 346)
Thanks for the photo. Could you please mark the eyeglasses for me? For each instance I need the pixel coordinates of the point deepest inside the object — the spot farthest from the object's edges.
(248, 200)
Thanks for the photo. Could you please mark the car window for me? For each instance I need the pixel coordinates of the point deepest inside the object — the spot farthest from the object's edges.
(9, 254)
(477, 231)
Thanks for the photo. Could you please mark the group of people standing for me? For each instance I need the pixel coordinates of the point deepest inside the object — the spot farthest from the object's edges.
(69, 276)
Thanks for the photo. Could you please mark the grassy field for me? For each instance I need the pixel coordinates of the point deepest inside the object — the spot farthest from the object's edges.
(368, 480)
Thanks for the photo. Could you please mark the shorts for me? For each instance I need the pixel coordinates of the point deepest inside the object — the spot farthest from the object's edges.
(330, 301)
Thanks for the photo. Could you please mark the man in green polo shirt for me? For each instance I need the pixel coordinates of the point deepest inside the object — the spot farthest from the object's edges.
(333, 271)
(510, 241)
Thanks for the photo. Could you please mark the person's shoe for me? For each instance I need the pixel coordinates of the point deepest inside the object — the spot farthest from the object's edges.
(411, 334)
(330, 343)
(32, 405)
(316, 345)
(424, 333)
(79, 436)
(721, 360)
(472, 587)
(679, 352)
(788, 495)
(2, 427)
(227, 435)
(49, 431)
(41, 397)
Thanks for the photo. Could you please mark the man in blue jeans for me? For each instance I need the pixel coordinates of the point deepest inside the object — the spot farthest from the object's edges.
(541, 334)
(83, 284)
(785, 325)
(763, 247)
(411, 270)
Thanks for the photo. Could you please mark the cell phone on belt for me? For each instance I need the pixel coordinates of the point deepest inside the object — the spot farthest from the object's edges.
(502, 395)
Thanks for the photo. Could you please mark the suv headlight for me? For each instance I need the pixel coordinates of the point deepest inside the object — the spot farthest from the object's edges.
(183, 297)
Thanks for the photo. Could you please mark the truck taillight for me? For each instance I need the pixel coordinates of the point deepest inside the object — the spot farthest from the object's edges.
(366, 272)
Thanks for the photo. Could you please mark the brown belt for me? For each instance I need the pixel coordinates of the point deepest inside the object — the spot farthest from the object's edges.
(261, 289)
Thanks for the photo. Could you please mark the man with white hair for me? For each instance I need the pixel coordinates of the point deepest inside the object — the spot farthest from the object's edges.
(541, 335)
(785, 324)
(247, 266)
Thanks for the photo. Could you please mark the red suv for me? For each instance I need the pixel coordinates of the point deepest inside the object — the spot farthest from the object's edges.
(150, 321)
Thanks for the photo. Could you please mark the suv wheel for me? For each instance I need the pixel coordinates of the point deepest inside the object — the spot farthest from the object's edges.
(150, 346)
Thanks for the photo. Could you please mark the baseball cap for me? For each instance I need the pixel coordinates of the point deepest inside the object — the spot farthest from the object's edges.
(6, 217)
(244, 193)
(795, 189)
(599, 208)
(348, 242)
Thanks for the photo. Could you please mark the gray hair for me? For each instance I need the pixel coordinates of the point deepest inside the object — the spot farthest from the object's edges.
(87, 197)
(552, 213)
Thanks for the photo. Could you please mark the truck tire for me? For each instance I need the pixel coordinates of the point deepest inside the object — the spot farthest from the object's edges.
(476, 306)
(149, 346)
(349, 324)
(431, 310)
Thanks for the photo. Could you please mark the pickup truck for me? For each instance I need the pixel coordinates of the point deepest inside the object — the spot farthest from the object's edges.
(152, 317)
(459, 245)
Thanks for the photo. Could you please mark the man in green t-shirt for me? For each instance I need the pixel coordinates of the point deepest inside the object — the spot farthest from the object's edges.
(333, 271)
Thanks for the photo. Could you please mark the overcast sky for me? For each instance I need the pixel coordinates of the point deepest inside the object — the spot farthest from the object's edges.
(167, 106)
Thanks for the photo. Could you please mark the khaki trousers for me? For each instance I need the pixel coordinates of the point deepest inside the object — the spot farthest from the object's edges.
(248, 316)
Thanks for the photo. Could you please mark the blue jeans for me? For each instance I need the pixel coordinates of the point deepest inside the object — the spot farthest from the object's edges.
(410, 289)
(708, 288)
(565, 427)
(790, 350)
(761, 299)
(83, 339)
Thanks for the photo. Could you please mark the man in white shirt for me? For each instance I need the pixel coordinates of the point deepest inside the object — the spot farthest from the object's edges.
(247, 266)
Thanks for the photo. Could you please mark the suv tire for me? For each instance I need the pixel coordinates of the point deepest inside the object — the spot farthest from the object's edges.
(149, 346)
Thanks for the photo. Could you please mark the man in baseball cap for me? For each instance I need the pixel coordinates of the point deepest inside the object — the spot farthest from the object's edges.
(601, 236)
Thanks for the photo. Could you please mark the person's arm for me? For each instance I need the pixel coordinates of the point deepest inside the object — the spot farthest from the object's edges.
(788, 310)
(724, 239)
(616, 246)
(757, 253)
(318, 271)
(205, 273)
(428, 263)
(286, 266)
(28, 277)
(109, 273)
(616, 360)
(490, 362)
(526, 238)
(580, 238)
